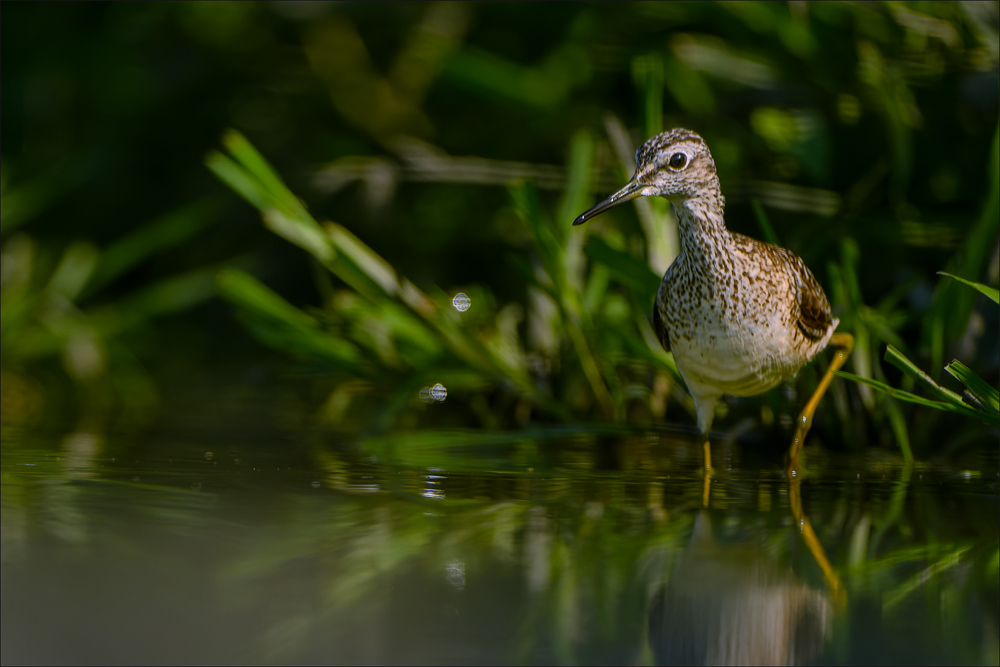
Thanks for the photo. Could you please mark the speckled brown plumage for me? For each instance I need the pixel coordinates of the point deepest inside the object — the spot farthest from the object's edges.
(739, 315)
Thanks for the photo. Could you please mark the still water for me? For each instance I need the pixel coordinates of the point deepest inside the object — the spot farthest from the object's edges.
(547, 546)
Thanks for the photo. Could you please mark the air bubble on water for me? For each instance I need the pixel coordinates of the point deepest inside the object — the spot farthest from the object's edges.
(461, 302)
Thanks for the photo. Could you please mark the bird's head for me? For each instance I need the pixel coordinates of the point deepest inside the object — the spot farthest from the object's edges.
(675, 164)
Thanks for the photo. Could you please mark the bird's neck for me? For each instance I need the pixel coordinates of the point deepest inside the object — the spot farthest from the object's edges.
(702, 228)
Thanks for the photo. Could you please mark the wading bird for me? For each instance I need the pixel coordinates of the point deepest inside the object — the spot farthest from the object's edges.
(739, 315)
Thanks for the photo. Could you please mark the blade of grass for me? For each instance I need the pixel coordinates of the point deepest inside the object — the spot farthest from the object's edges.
(630, 271)
(251, 160)
(765, 224)
(282, 325)
(895, 596)
(987, 396)
(962, 408)
(353, 262)
(991, 292)
(896, 420)
(552, 254)
(899, 360)
(161, 234)
(237, 178)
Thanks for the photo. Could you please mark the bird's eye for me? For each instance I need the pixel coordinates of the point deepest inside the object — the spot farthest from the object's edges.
(678, 161)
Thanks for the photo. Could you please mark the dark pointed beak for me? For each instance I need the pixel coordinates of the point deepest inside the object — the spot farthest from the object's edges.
(631, 190)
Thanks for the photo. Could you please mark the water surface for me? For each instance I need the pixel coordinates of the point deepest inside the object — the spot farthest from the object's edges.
(569, 545)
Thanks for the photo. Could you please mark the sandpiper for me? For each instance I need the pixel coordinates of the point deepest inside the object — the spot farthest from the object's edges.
(739, 315)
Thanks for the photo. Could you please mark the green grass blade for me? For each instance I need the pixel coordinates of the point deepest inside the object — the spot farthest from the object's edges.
(896, 393)
(898, 425)
(625, 268)
(23, 202)
(238, 178)
(169, 295)
(242, 288)
(579, 175)
(161, 234)
(283, 326)
(528, 207)
(371, 263)
(987, 396)
(361, 268)
(765, 223)
(255, 180)
(264, 173)
(961, 408)
(991, 292)
(74, 270)
(891, 598)
(647, 74)
(303, 232)
(899, 360)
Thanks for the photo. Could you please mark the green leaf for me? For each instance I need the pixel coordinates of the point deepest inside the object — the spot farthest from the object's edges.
(899, 360)
(283, 326)
(987, 396)
(991, 292)
(238, 179)
(960, 408)
(303, 232)
(264, 173)
(896, 393)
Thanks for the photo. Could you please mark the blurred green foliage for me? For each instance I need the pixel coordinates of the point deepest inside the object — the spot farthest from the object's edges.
(433, 134)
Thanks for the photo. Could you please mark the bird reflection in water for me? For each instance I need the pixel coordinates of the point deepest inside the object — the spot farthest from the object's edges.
(732, 605)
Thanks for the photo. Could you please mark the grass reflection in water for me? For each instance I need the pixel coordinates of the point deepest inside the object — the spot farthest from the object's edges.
(562, 546)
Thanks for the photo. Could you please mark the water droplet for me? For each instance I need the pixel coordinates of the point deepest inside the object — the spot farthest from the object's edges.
(461, 302)
(436, 393)
(316, 484)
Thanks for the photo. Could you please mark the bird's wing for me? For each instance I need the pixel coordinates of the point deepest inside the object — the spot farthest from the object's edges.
(660, 327)
(814, 308)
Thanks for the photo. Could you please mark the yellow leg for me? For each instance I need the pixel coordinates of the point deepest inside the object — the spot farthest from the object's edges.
(707, 483)
(844, 343)
(837, 592)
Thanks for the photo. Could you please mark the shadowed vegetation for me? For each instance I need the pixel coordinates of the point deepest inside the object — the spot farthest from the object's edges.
(452, 151)
(416, 415)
